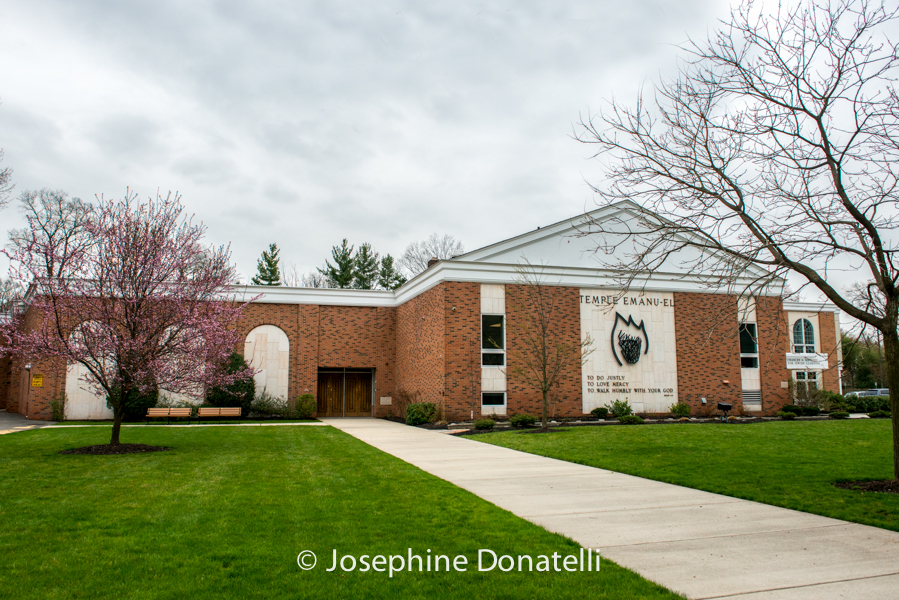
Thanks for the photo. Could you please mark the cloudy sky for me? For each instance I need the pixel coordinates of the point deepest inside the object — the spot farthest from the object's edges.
(305, 122)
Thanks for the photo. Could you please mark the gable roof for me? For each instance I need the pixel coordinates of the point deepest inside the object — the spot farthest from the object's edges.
(561, 253)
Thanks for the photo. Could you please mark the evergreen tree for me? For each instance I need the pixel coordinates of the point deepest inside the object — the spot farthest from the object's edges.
(389, 278)
(268, 271)
(365, 268)
(341, 273)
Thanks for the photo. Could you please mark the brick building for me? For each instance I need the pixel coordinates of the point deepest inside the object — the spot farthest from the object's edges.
(458, 333)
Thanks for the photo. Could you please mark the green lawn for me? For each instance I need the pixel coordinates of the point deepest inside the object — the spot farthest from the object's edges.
(193, 421)
(789, 464)
(226, 512)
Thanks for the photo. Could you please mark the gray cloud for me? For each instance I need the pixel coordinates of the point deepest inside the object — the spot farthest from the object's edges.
(303, 123)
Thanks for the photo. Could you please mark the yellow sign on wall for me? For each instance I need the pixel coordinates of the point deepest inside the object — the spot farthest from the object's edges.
(37, 381)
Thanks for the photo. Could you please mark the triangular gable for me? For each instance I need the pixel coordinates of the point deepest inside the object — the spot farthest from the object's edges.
(560, 245)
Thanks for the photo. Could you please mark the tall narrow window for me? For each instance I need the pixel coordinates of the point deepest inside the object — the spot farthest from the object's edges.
(803, 337)
(493, 341)
(749, 346)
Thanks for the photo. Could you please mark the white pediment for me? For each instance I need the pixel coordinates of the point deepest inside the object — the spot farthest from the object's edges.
(563, 245)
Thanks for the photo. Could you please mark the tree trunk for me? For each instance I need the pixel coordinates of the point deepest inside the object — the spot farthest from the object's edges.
(891, 350)
(116, 426)
(543, 426)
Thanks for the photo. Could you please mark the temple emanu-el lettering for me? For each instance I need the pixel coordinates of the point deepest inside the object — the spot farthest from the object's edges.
(452, 335)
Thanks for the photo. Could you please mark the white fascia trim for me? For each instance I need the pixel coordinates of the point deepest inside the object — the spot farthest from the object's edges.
(812, 307)
(479, 272)
(323, 296)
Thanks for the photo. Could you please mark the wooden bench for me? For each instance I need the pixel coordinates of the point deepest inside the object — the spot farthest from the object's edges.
(218, 412)
(168, 413)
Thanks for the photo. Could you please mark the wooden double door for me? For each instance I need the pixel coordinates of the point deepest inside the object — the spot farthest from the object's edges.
(345, 393)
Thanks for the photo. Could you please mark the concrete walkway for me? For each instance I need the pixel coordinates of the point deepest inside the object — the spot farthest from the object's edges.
(13, 422)
(699, 544)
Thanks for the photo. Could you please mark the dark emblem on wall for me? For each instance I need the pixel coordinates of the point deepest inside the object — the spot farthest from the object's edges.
(629, 340)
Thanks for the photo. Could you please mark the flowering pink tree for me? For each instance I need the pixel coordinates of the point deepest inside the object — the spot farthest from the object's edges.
(140, 302)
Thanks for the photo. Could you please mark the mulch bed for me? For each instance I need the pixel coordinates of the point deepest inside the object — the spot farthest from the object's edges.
(105, 449)
(890, 486)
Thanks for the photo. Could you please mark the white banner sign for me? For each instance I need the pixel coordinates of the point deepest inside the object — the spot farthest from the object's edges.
(806, 362)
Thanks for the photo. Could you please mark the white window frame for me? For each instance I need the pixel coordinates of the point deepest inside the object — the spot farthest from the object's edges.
(803, 348)
(750, 355)
(493, 350)
(503, 405)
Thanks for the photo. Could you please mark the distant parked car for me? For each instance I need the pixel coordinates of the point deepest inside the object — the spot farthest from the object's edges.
(851, 395)
(878, 392)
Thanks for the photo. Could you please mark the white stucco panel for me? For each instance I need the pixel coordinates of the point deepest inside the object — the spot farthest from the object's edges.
(268, 349)
(82, 404)
(493, 299)
(634, 349)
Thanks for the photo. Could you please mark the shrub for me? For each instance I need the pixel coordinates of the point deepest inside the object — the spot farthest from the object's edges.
(402, 399)
(522, 420)
(269, 406)
(786, 415)
(680, 409)
(630, 420)
(167, 402)
(867, 404)
(839, 415)
(802, 411)
(136, 406)
(240, 393)
(828, 401)
(306, 405)
(421, 412)
(484, 424)
(58, 407)
(879, 414)
(600, 413)
(620, 408)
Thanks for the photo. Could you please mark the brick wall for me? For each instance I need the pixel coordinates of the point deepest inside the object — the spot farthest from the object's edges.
(830, 377)
(421, 346)
(283, 316)
(21, 397)
(426, 347)
(708, 350)
(330, 337)
(5, 380)
(565, 314)
(774, 343)
(462, 350)
(359, 337)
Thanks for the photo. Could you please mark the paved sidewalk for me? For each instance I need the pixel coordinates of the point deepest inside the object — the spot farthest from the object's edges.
(699, 544)
(13, 422)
